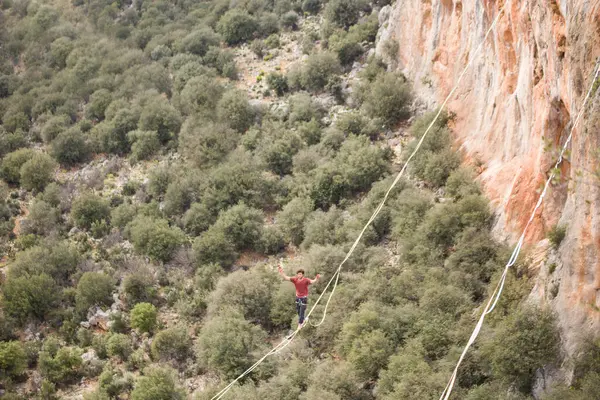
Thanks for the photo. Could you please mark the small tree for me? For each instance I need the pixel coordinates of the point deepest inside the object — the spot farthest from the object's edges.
(319, 69)
(144, 144)
(143, 317)
(155, 237)
(94, 288)
(157, 383)
(140, 287)
(70, 147)
(89, 208)
(13, 360)
(234, 109)
(388, 98)
(12, 163)
(173, 344)
(30, 296)
(343, 13)
(119, 345)
(198, 42)
(242, 225)
(237, 26)
(59, 364)
(161, 117)
(214, 247)
(227, 342)
(37, 172)
(292, 217)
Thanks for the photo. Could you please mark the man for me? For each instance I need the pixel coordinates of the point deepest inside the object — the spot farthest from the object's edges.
(301, 282)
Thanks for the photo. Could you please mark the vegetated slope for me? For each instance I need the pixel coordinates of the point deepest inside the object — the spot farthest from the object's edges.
(152, 172)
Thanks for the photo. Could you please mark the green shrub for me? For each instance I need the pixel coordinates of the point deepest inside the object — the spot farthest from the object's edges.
(157, 383)
(303, 108)
(343, 13)
(56, 259)
(13, 360)
(199, 41)
(200, 95)
(346, 46)
(206, 144)
(319, 69)
(235, 110)
(292, 217)
(237, 26)
(89, 208)
(461, 183)
(278, 83)
(173, 344)
(139, 287)
(123, 214)
(58, 364)
(99, 101)
(227, 342)
(113, 382)
(54, 126)
(70, 148)
(161, 117)
(357, 124)
(198, 219)
(158, 180)
(530, 329)
(214, 247)
(37, 172)
(144, 144)
(223, 60)
(248, 292)
(143, 317)
(272, 240)
(289, 20)
(242, 225)
(556, 234)
(12, 163)
(30, 296)
(94, 288)
(389, 98)
(42, 219)
(155, 238)
(311, 6)
(119, 345)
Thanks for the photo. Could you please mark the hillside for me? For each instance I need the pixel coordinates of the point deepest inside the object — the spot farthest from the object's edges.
(159, 159)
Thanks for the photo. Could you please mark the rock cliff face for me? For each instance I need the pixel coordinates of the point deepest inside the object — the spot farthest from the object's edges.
(513, 109)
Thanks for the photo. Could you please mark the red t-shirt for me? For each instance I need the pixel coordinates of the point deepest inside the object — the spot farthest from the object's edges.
(301, 286)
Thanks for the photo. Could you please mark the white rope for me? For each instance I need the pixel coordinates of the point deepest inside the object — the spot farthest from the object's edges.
(335, 277)
(493, 301)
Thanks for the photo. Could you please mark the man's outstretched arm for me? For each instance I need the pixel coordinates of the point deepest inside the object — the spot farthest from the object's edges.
(283, 275)
(316, 279)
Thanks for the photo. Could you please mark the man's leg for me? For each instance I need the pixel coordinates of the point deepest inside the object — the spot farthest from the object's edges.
(302, 308)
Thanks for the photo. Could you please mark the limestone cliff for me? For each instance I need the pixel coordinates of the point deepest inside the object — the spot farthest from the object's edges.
(515, 105)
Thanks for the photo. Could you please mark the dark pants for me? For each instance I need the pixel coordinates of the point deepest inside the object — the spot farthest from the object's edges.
(301, 308)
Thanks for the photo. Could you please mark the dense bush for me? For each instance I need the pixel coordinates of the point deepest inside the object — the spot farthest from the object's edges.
(242, 225)
(530, 329)
(389, 98)
(173, 344)
(88, 209)
(94, 288)
(37, 172)
(143, 317)
(155, 238)
(139, 287)
(237, 26)
(161, 117)
(233, 109)
(144, 144)
(119, 345)
(214, 247)
(12, 163)
(198, 42)
(344, 13)
(206, 143)
(59, 364)
(13, 360)
(30, 297)
(70, 147)
(43, 219)
(556, 235)
(227, 342)
(157, 383)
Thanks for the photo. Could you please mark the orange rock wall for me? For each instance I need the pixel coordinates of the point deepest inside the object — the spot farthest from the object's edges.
(514, 106)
